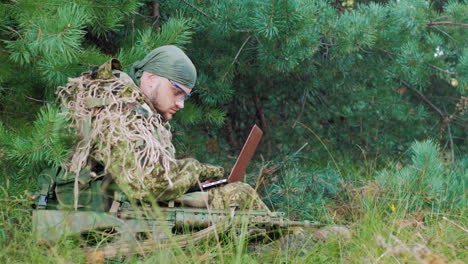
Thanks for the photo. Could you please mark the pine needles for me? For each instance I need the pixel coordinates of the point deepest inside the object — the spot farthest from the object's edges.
(47, 143)
(427, 182)
(176, 31)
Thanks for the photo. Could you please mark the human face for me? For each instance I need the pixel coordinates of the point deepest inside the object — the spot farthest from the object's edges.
(163, 95)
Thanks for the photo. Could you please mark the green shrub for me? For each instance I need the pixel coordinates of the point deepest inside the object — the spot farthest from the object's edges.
(48, 142)
(302, 192)
(427, 181)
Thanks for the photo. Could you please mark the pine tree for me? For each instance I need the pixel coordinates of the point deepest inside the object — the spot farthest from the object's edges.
(364, 76)
(369, 77)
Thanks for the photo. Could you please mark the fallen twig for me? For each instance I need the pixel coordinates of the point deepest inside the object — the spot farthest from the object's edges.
(455, 224)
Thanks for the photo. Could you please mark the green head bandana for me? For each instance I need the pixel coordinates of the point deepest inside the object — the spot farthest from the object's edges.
(169, 62)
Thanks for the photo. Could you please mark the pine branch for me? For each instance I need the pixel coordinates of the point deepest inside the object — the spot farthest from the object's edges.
(87, 65)
(36, 100)
(446, 23)
(115, 6)
(433, 66)
(13, 30)
(198, 10)
(442, 70)
(272, 14)
(388, 52)
(60, 33)
(32, 150)
(423, 97)
(445, 33)
(237, 56)
(449, 132)
(46, 143)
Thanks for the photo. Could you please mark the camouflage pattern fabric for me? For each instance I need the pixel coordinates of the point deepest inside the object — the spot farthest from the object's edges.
(129, 139)
(184, 173)
(239, 193)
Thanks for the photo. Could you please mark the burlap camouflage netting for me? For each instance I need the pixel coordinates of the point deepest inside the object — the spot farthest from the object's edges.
(147, 138)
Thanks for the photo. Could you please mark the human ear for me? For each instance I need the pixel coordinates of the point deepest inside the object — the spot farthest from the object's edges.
(152, 76)
(147, 76)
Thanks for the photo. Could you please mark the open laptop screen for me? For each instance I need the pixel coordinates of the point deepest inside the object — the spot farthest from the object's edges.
(242, 162)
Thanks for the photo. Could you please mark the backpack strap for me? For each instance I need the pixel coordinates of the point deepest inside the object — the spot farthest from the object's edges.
(116, 202)
(46, 182)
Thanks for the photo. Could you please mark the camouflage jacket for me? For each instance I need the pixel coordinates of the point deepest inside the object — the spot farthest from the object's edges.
(123, 133)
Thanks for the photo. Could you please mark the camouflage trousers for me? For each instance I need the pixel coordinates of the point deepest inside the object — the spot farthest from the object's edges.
(187, 173)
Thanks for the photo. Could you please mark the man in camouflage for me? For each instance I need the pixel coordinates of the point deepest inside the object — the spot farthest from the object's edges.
(123, 125)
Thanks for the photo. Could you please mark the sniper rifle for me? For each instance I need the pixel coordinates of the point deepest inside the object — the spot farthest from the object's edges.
(145, 230)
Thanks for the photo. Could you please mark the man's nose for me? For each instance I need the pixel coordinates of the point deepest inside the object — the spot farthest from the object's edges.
(180, 103)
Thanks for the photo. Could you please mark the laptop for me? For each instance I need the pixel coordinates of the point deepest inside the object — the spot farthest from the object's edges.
(242, 162)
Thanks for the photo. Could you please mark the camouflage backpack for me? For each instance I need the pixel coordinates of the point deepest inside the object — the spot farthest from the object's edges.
(96, 190)
(56, 190)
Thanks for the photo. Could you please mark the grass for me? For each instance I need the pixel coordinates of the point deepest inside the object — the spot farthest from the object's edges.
(387, 225)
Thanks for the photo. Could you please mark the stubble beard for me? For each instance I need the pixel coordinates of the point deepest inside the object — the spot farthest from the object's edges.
(165, 115)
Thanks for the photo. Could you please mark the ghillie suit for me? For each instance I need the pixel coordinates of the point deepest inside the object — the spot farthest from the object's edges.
(122, 135)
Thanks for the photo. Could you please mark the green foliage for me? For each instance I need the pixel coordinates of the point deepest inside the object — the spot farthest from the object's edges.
(52, 40)
(176, 31)
(303, 192)
(355, 75)
(108, 15)
(47, 143)
(353, 71)
(195, 114)
(427, 182)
